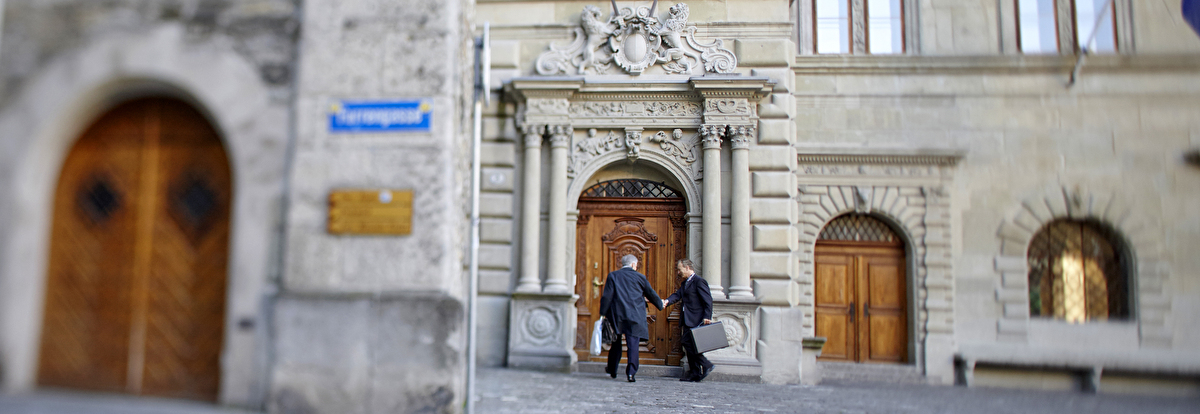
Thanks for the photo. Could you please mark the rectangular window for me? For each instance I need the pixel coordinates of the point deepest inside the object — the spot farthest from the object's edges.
(832, 22)
(885, 26)
(1038, 26)
(1086, 14)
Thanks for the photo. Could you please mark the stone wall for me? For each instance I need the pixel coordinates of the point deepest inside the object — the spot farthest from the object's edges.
(390, 308)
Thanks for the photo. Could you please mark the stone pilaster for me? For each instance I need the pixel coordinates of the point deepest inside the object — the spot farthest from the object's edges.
(711, 208)
(739, 213)
(556, 272)
(530, 206)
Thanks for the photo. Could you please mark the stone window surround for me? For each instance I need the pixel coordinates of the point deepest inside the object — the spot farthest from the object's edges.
(909, 191)
(1149, 270)
(803, 14)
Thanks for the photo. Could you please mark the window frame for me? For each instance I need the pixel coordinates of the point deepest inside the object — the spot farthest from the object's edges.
(1125, 260)
(804, 13)
(1067, 32)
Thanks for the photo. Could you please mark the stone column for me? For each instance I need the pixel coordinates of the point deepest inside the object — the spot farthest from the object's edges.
(710, 228)
(556, 272)
(530, 210)
(739, 213)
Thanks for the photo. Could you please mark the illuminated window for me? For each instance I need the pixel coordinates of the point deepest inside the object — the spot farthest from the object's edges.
(1049, 26)
(857, 26)
(1078, 272)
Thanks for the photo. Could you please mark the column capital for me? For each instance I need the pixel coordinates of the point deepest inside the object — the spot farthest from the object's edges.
(533, 134)
(560, 135)
(711, 135)
(741, 135)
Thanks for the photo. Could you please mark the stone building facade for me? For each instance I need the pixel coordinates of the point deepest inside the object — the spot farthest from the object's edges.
(952, 211)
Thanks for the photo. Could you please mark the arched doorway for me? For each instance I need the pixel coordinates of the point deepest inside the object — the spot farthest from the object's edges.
(135, 300)
(638, 217)
(861, 291)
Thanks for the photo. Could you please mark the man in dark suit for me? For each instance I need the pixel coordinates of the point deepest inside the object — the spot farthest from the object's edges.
(697, 310)
(624, 303)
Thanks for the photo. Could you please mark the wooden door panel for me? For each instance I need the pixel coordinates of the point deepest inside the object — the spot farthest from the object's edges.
(155, 290)
(885, 330)
(606, 232)
(838, 333)
(861, 302)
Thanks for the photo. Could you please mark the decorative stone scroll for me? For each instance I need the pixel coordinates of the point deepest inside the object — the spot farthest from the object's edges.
(635, 40)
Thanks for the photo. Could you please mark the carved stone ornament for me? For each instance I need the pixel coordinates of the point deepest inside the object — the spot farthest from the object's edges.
(633, 143)
(634, 39)
(675, 146)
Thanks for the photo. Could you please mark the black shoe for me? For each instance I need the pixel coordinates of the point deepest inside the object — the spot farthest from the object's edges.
(703, 374)
(687, 378)
(611, 372)
(631, 379)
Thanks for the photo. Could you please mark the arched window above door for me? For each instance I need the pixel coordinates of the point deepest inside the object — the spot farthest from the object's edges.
(631, 188)
(1078, 272)
(860, 228)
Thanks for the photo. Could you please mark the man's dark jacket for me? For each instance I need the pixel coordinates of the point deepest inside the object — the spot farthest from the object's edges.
(622, 301)
(696, 299)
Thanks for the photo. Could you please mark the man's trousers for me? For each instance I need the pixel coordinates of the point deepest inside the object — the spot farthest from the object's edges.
(614, 355)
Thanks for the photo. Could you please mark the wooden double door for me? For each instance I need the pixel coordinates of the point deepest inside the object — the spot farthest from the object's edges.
(861, 301)
(651, 229)
(135, 300)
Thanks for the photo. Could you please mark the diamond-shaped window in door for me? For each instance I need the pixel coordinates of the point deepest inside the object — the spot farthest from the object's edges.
(99, 200)
(194, 205)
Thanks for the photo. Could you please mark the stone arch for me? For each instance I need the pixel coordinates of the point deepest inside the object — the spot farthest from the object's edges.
(1150, 272)
(53, 108)
(652, 159)
(920, 217)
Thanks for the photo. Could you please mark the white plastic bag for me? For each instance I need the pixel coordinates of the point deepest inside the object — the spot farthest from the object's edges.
(594, 349)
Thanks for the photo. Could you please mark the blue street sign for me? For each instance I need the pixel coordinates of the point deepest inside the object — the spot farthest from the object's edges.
(1191, 13)
(381, 116)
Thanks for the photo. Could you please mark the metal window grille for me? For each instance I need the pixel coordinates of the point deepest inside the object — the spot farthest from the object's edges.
(1077, 273)
(631, 188)
(858, 227)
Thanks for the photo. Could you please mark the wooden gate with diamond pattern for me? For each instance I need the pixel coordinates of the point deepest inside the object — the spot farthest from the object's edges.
(135, 300)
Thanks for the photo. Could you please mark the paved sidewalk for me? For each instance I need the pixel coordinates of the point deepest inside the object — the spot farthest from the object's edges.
(513, 391)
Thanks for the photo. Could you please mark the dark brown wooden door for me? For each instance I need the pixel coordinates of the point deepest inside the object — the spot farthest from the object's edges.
(135, 299)
(861, 306)
(655, 232)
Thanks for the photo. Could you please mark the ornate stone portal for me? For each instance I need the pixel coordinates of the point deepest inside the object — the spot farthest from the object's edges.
(679, 124)
(634, 40)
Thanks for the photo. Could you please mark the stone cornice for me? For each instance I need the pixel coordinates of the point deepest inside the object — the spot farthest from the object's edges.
(878, 157)
(881, 64)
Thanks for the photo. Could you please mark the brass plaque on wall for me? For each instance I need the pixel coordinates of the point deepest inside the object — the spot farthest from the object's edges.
(386, 212)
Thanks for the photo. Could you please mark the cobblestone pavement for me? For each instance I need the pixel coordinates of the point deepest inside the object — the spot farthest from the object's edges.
(513, 391)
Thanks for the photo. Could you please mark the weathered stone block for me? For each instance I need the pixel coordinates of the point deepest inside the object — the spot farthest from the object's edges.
(772, 158)
(773, 292)
(779, 105)
(775, 132)
(774, 238)
(773, 184)
(495, 256)
(496, 205)
(495, 281)
(498, 153)
(770, 265)
(772, 210)
(784, 78)
(506, 54)
(496, 179)
(495, 231)
(764, 52)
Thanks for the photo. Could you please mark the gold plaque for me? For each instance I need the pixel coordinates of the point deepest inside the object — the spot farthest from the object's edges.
(387, 212)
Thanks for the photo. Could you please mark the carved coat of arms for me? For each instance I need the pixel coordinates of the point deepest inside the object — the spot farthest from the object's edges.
(634, 40)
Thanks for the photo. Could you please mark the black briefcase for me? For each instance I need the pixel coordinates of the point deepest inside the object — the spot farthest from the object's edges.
(710, 337)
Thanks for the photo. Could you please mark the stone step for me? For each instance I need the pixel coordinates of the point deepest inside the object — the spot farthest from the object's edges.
(867, 372)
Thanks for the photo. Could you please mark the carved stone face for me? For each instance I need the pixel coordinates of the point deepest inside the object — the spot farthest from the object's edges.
(679, 11)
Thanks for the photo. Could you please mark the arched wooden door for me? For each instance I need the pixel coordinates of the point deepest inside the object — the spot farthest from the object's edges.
(135, 300)
(861, 291)
(637, 217)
